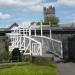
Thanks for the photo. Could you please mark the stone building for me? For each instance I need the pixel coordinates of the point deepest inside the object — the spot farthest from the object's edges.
(49, 12)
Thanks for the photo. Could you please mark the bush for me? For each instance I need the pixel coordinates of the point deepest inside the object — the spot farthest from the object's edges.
(16, 55)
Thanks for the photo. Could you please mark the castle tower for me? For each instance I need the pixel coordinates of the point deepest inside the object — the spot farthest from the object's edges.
(49, 12)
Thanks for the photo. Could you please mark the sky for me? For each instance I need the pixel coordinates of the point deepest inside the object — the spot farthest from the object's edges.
(20, 11)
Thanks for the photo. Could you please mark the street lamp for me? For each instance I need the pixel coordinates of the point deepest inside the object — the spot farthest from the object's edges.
(35, 28)
(50, 30)
(41, 30)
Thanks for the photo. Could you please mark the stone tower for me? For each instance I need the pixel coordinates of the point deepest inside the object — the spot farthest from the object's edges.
(49, 12)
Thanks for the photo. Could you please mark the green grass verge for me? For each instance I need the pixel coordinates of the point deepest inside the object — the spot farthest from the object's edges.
(29, 69)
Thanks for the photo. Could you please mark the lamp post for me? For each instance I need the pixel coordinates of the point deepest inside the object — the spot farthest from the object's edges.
(50, 30)
(41, 30)
(35, 28)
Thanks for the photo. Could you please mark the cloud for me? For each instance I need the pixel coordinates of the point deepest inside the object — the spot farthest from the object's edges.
(70, 3)
(65, 3)
(19, 3)
(4, 16)
(34, 5)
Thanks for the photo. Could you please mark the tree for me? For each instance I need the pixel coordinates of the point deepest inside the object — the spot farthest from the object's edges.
(37, 23)
(51, 20)
(32, 23)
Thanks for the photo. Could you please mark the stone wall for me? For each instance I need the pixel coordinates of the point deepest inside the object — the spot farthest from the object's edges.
(3, 47)
(2, 43)
(38, 60)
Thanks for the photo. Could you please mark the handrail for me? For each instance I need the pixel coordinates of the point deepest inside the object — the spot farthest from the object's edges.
(54, 40)
(50, 38)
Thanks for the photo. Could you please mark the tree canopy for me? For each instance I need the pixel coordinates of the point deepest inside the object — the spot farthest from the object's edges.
(53, 21)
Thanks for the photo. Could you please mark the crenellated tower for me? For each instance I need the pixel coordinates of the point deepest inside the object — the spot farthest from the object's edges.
(49, 12)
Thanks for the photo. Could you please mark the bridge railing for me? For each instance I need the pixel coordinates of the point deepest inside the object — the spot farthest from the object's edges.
(51, 45)
(26, 44)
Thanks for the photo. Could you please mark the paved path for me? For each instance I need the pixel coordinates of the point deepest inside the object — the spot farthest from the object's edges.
(66, 68)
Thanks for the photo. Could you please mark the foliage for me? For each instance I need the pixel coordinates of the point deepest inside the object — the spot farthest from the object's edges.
(32, 23)
(37, 23)
(51, 20)
(28, 69)
(16, 55)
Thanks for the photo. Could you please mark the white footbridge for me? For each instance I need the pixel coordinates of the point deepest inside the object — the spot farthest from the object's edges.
(21, 37)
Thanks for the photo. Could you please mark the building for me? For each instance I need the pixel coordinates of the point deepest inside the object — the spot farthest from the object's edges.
(49, 12)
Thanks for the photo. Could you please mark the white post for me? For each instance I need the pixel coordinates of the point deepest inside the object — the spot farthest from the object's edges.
(41, 30)
(23, 31)
(35, 28)
(40, 49)
(29, 31)
(50, 31)
(61, 50)
(20, 41)
(17, 40)
(19, 30)
(30, 39)
(30, 46)
(24, 43)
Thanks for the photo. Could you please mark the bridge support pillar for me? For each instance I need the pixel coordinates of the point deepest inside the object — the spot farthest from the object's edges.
(39, 60)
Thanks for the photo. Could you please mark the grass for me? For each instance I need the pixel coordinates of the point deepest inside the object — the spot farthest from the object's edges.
(29, 69)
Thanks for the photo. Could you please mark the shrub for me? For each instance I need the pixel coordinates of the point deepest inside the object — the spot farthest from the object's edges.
(16, 55)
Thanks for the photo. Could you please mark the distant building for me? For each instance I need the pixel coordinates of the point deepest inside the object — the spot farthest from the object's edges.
(49, 12)
(13, 26)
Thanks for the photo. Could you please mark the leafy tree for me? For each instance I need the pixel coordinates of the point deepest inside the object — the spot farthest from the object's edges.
(37, 23)
(51, 20)
(32, 23)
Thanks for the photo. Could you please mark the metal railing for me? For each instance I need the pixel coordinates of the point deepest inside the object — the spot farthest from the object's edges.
(52, 45)
(26, 43)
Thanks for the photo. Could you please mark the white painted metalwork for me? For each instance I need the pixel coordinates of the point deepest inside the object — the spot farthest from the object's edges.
(52, 45)
(35, 28)
(21, 38)
(41, 30)
(24, 43)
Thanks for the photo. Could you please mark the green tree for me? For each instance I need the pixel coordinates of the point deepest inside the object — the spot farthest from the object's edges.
(37, 23)
(32, 23)
(51, 20)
